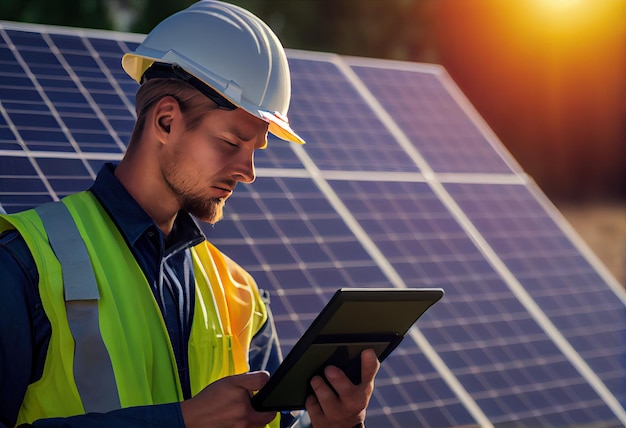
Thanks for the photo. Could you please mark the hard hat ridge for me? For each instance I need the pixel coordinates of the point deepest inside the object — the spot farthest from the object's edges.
(229, 49)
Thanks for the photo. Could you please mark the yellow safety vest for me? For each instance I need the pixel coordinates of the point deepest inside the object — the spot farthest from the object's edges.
(228, 312)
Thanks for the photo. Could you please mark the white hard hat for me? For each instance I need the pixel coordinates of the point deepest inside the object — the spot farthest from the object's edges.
(230, 50)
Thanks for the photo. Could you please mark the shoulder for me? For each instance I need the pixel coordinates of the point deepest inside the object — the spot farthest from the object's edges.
(8, 236)
(16, 260)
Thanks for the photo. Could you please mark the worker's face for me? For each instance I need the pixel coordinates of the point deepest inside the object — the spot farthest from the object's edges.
(202, 166)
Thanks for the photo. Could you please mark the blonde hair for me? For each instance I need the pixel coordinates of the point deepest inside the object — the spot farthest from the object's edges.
(193, 104)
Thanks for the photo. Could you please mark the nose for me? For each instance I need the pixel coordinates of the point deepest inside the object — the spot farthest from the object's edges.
(245, 171)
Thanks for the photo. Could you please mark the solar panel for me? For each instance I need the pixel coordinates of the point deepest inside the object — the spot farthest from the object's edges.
(401, 184)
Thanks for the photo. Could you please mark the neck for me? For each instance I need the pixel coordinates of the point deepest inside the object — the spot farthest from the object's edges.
(146, 186)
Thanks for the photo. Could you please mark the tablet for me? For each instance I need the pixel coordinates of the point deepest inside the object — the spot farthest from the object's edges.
(354, 319)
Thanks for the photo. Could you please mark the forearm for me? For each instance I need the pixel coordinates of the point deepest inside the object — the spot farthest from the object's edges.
(163, 415)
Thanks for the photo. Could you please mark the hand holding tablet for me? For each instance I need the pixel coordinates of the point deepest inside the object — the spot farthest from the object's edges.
(354, 319)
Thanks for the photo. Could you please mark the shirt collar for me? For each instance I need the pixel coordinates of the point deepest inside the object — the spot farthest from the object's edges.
(133, 221)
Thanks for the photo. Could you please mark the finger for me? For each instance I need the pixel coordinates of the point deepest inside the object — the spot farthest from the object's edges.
(339, 381)
(313, 407)
(343, 385)
(262, 418)
(252, 381)
(369, 365)
(323, 393)
(312, 404)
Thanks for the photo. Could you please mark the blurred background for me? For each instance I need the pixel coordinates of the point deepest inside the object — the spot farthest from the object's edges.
(548, 76)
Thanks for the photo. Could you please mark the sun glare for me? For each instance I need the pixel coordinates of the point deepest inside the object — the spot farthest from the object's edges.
(560, 5)
(562, 12)
(574, 18)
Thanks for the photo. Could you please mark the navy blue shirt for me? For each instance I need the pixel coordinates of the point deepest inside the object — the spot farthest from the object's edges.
(166, 263)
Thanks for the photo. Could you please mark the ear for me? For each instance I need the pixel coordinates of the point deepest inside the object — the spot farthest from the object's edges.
(165, 112)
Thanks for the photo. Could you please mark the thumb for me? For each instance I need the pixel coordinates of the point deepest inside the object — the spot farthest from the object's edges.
(252, 381)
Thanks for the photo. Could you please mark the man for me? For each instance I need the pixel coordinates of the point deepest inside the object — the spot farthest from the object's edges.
(114, 310)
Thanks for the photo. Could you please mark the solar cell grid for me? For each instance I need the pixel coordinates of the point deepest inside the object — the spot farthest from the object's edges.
(336, 213)
(544, 265)
(435, 123)
(344, 132)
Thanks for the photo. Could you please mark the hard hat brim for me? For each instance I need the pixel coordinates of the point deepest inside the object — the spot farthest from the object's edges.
(136, 65)
(280, 127)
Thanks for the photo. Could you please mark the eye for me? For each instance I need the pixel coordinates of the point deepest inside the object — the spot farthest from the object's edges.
(230, 143)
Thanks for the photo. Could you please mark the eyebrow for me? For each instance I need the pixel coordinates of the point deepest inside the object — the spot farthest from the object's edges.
(239, 134)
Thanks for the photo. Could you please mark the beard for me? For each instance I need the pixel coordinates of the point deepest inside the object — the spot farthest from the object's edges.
(208, 210)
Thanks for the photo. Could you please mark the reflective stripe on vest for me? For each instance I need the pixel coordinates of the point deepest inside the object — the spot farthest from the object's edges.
(93, 370)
